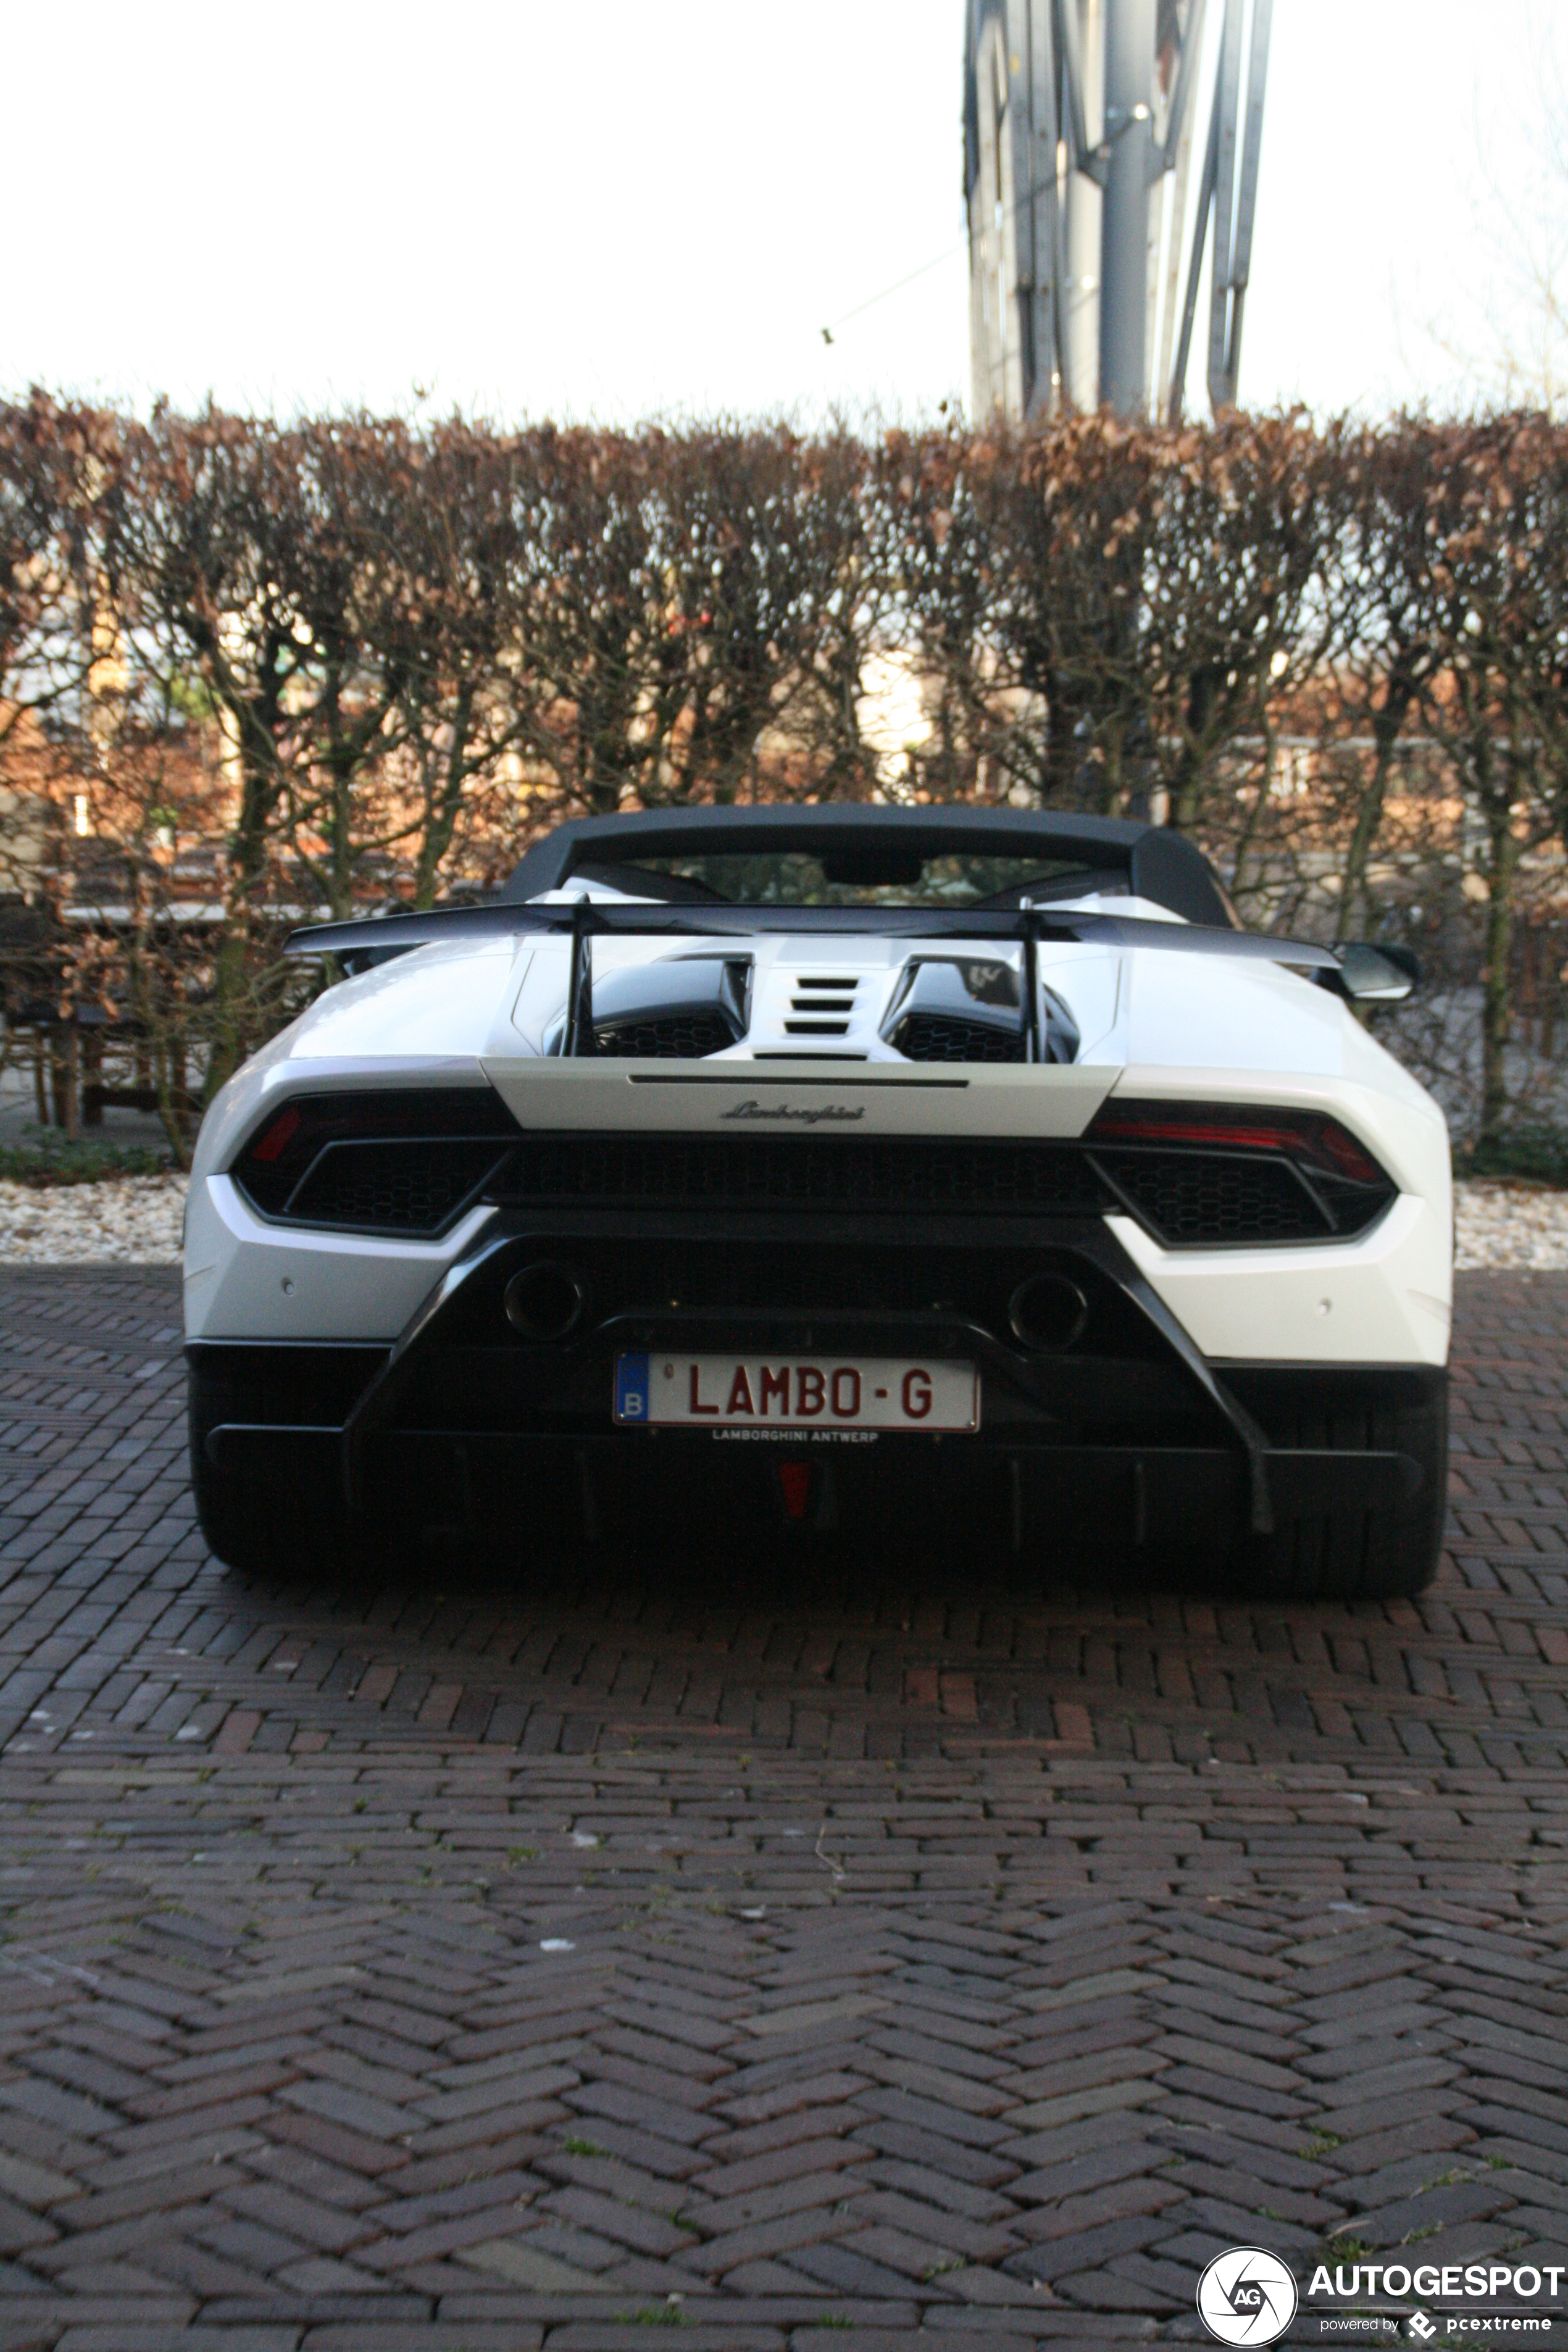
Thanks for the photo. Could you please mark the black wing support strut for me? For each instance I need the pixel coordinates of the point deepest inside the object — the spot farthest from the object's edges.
(1029, 994)
(579, 1035)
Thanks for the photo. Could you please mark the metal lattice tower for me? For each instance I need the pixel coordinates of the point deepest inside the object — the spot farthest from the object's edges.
(1079, 141)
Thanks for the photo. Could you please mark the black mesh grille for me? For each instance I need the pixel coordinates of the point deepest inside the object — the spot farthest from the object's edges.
(748, 1278)
(903, 1276)
(801, 1172)
(413, 1187)
(826, 1281)
(1210, 1196)
(943, 1037)
(669, 1037)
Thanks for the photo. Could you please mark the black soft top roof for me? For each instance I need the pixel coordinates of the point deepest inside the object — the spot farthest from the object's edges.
(1159, 865)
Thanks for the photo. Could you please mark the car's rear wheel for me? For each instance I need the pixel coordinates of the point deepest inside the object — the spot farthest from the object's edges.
(1349, 1553)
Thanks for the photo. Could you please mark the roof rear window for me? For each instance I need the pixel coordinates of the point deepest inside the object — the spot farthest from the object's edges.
(871, 871)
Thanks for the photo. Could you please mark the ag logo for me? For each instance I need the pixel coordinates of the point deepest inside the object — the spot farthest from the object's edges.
(1247, 2296)
(1421, 2327)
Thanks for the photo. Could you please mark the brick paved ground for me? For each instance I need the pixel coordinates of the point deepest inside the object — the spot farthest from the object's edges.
(527, 1960)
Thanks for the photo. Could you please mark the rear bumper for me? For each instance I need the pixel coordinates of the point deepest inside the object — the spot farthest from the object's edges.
(1131, 1434)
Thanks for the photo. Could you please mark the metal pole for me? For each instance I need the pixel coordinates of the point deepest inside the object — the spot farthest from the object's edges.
(1247, 195)
(1189, 306)
(1084, 44)
(1227, 102)
(1179, 152)
(1044, 387)
(1129, 133)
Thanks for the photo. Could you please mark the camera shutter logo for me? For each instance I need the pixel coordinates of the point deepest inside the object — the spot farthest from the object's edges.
(1247, 2296)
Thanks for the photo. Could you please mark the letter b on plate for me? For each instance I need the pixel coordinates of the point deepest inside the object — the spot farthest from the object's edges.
(631, 1388)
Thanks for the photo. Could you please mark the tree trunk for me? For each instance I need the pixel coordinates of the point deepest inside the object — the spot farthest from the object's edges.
(247, 880)
(1387, 723)
(1256, 815)
(444, 800)
(1497, 980)
(1064, 750)
(1186, 783)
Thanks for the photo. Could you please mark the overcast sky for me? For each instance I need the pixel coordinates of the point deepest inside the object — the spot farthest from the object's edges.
(609, 207)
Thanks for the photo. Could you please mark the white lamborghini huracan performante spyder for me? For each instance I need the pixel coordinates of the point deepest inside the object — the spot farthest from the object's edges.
(868, 1168)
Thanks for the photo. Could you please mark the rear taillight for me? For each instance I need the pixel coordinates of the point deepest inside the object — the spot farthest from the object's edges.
(402, 1160)
(1326, 1182)
(273, 1140)
(1310, 1137)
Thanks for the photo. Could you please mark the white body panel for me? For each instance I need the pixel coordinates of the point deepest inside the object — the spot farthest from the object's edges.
(893, 1097)
(1152, 1023)
(1380, 1300)
(248, 1279)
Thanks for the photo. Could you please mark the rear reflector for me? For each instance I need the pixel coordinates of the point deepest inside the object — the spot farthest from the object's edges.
(794, 1486)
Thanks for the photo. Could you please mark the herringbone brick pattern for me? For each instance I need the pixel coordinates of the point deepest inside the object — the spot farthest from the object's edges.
(551, 1954)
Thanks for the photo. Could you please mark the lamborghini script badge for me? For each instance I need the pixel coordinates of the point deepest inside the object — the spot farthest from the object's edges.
(810, 1115)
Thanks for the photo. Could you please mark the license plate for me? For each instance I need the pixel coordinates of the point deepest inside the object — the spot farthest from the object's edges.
(796, 1392)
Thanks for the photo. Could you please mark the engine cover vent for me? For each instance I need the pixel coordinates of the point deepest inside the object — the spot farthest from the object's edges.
(968, 1009)
(678, 1009)
(822, 1005)
(943, 1037)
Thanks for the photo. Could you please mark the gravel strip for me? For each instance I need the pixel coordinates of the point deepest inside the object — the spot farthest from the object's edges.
(135, 1220)
(127, 1219)
(1501, 1223)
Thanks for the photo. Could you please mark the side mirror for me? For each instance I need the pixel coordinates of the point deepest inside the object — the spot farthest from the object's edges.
(1381, 975)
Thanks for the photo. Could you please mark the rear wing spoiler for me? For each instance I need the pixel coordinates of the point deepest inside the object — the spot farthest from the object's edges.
(377, 938)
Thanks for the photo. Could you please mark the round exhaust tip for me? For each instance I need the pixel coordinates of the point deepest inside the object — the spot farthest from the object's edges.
(543, 1301)
(1047, 1313)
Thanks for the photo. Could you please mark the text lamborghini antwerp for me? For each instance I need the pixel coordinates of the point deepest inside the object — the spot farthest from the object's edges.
(857, 1167)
